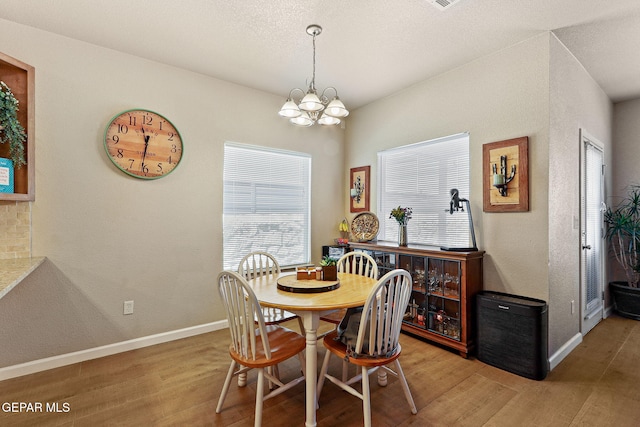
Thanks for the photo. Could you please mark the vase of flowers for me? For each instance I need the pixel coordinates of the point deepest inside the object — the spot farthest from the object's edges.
(402, 215)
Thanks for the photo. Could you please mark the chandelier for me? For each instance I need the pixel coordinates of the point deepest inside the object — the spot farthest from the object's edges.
(312, 108)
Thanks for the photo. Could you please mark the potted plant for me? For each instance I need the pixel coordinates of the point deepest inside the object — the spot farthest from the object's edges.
(11, 131)
(329, 268)
(623, 236)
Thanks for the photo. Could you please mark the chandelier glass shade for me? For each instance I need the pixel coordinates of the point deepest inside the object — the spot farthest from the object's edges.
(312, 108)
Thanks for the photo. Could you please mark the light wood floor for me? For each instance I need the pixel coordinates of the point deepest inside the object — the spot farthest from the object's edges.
(178, 384)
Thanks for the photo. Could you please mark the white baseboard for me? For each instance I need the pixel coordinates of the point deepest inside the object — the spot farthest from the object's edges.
(564, 351)
(608, 311)
(106, 350)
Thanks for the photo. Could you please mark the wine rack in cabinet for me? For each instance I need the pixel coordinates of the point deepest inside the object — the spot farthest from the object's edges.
(441, 308)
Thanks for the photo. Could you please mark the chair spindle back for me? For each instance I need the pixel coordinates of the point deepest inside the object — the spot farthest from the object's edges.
(382, 314)
(246, 321)
(257, 264)
(358, 263)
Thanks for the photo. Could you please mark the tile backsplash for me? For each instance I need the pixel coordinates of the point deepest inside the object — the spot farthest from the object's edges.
(15, 229)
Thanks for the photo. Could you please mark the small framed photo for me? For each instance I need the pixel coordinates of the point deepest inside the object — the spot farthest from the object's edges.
(359, 189)
(505, 175)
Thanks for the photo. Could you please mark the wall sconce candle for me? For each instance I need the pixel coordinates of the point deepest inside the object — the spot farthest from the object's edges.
(513, 157)
(357, 190)
(500, 180)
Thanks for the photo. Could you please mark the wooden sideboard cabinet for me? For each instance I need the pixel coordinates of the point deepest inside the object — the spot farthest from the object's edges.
(442, 305)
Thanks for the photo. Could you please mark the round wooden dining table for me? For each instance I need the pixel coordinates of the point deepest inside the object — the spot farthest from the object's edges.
(352, 292)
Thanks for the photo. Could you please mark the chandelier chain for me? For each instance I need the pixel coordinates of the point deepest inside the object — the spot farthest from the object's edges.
(313, 76)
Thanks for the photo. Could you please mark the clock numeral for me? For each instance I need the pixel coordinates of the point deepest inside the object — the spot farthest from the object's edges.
(144, 168)
(131, 161)
(159, 170)
(115, 139)
(132, 120)
(161, 124)
(120, 153)
(123, 128)
(147, 120)
(169, 160)
(174, 148)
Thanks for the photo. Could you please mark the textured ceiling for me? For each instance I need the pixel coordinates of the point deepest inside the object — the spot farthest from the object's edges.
(368, 49)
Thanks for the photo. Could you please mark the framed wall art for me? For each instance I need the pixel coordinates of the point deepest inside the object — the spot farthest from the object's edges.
(359, 189)
(505, 175)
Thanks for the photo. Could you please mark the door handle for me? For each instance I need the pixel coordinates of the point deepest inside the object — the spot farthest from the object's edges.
(586, 246)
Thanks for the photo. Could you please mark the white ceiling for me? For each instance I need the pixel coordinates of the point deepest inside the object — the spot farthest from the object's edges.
(368, 49)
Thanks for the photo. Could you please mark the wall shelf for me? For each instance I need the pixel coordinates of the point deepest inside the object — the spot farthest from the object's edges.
(20, 77)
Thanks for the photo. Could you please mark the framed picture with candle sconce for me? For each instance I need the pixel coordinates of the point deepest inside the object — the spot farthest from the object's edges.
(505, 175)
(359, 189)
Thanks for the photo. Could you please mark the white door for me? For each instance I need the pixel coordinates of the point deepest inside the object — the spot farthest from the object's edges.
(592, 232)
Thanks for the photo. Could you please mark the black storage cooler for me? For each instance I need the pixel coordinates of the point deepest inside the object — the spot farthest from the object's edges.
(512, 333)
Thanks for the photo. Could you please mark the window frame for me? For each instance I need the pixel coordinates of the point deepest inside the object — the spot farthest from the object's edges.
(258, 206)
(430, 224)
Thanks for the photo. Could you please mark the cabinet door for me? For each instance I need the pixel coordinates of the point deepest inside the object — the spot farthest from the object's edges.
(443, 298)
(386, 262)
(416, 310)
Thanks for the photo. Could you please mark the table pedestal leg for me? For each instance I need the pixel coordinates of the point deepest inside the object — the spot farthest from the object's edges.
(311, 322)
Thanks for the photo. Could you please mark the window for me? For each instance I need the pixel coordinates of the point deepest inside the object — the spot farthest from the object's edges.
(266, 204)
(421, 176)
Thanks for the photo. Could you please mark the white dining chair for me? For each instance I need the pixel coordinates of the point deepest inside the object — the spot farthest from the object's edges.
(377, 344)
(355, 263)
(257, 264)
(255, 345)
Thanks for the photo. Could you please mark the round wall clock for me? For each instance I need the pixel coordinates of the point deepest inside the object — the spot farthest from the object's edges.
(143, 144)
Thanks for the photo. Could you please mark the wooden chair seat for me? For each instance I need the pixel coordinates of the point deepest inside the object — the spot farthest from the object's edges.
(284, 343)
(339, 349)
(334, 317)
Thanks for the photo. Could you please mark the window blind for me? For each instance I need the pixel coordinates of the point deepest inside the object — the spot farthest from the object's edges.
(266, 204)
(593, 211)
(421, 176)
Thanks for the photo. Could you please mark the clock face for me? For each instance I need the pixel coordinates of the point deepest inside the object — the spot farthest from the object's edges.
(143, 144)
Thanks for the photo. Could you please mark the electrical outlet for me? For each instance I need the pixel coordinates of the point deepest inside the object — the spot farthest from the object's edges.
(128, 307)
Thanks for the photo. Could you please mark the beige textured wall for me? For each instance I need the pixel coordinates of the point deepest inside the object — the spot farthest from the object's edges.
(535, 89)
(626, 157)
(110, 237)
(15, 229)
(501, 96)
(576, 102)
